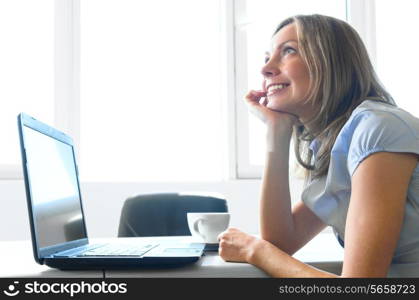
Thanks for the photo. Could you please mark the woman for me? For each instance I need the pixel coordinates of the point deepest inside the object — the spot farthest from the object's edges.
(360, 152)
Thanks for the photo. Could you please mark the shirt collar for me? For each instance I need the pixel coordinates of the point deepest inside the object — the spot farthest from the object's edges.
(314, 146)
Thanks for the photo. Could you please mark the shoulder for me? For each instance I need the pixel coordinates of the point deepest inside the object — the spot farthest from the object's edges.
(379, 127)
(371, 116)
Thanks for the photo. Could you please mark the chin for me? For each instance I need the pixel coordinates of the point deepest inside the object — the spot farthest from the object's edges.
(276, 107)
(282, 109)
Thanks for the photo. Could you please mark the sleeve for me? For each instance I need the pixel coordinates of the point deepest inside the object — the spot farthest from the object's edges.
(382, 131)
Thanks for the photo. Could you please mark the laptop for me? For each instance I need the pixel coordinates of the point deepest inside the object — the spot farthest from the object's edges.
(57, 221)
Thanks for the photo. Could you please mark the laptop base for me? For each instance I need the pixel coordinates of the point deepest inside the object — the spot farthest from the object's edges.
(118, 263)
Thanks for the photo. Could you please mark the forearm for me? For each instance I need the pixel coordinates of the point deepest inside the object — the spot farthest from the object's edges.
(276, 223)
(277, 263)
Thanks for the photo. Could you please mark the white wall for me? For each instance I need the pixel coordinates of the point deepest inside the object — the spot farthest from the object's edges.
(103, 203)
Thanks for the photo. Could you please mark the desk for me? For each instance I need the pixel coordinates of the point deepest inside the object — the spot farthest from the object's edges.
(17, 260)
(323, 252)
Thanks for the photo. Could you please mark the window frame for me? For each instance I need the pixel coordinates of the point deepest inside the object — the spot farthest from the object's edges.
(67, 68)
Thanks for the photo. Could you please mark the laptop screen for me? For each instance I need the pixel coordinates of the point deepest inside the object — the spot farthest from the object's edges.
(54, 188)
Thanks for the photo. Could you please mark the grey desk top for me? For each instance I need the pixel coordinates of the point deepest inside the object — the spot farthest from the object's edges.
(322, 252)
(17, 260)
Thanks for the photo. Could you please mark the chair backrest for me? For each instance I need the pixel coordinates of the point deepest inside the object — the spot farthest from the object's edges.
(164, 214)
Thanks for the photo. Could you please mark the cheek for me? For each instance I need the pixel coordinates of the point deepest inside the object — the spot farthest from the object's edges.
(296, 69)
(301, 78)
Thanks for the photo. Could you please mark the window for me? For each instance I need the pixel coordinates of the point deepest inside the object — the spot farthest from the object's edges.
(147, 94)
(26, 72)
(151, 99)
(255, 23)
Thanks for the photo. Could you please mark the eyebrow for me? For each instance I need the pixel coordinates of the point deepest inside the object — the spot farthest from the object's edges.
(267, 53)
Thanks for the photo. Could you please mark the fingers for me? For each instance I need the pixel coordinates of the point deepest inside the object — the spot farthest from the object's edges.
(226, 234)
(221, 236)
(233, 245)
(225, 244)
(257, 103)
(264, 101)
(255, 96)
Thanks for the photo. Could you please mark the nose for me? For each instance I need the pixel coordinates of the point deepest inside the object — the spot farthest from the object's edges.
(270, 69)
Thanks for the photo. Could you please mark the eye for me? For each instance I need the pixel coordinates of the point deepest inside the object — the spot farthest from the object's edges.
(288, 50)
(266, 59)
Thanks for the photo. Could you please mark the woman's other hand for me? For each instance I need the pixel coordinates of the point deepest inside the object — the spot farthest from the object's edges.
(237, 246)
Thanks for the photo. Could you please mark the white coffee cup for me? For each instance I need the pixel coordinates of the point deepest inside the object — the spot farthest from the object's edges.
(208, 226)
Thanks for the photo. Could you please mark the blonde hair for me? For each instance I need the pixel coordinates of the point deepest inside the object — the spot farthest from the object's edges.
(341, 77)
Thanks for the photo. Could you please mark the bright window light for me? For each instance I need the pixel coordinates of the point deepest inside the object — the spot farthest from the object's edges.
(26, 68)
(397, 48)
(151, 90)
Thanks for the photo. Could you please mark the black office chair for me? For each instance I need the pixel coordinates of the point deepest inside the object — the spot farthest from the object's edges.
(164, 214)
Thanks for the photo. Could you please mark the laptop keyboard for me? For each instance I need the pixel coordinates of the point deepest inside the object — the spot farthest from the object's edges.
(119, 250)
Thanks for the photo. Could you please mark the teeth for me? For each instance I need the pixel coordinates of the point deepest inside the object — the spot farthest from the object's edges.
(277, 87)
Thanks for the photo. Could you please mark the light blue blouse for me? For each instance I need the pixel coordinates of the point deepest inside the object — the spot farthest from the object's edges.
(373, 127)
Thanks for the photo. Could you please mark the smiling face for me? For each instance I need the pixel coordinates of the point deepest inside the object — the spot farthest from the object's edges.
(286, 76)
